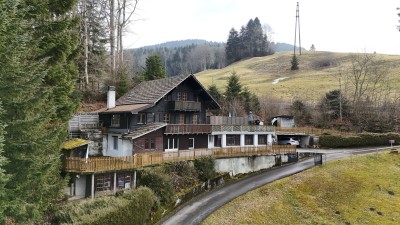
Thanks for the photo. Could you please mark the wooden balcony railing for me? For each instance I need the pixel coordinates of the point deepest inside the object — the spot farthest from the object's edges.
(184, 106)
(188, 129)
(104, 164)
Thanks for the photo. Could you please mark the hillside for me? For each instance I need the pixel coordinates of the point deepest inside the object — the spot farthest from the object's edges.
(339, 192)
(315, 77)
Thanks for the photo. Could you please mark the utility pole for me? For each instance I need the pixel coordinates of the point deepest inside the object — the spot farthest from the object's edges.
(297, 25)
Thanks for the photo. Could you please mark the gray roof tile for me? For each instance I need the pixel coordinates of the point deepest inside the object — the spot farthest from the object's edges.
(150, 92)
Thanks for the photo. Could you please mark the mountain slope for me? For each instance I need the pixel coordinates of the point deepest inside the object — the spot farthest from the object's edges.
(316, 76)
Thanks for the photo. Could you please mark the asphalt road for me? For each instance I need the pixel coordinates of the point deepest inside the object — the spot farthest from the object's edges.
(198, 209)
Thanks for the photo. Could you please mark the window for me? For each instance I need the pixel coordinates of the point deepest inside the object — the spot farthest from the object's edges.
(115, 142)
(172, 144)
(195, 119)
(103, 182)
(232, 140)
(141, 118)
(115, 119)
(262, 139)
(124, 181)
(149, 143)
(166, 117)
(191, 143)
(248, 139)
(181, 118)
(181, 96)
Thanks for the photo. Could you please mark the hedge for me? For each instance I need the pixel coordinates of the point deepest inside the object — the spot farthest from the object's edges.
(362, 140)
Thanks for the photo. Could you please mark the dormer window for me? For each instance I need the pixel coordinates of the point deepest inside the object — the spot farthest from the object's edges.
(115, 120)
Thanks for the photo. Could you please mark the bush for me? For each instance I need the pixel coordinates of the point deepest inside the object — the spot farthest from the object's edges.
(158, 182)
(205, 168)
(133, 207)
(363, 140)
(182, 174)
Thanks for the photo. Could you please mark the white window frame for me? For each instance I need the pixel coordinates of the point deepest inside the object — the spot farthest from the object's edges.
(191, 143)
(172, 144)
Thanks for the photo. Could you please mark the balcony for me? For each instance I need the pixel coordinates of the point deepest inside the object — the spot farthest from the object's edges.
(105, 164)
(188, 129)
(184, 106)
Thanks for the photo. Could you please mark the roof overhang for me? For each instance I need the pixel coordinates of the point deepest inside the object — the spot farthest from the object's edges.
(143, 131)
(134, 108)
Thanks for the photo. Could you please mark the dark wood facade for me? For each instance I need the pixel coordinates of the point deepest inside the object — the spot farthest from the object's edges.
(184, 103)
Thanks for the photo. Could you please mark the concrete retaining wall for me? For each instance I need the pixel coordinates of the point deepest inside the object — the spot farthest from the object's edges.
(248, 164)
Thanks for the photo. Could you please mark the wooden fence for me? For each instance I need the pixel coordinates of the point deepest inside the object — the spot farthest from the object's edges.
(103, 164)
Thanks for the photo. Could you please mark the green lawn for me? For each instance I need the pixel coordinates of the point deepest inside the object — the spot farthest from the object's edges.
(361, 190)
(310, 82)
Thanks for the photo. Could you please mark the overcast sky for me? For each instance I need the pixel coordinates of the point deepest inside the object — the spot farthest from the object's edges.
(334, 25)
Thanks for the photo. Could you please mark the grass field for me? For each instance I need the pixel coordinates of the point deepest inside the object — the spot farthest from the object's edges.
(361, 190)
(317, 74)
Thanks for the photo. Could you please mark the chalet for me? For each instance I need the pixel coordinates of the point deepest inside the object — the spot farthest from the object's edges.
(169, 115)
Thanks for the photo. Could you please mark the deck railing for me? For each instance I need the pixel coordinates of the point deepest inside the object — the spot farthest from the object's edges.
(188, 129)
(104, 164)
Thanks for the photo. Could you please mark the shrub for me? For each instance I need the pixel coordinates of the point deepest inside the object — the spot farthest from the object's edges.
(131, 208)
(205, 168)
(182, 174)
(158, 182)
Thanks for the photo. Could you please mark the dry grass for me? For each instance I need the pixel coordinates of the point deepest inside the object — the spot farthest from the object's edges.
(361, 190)
(315, 77)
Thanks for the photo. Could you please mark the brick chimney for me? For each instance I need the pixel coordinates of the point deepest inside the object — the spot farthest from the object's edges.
(111, 97)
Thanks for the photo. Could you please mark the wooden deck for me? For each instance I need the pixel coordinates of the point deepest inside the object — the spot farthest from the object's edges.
(104, 164)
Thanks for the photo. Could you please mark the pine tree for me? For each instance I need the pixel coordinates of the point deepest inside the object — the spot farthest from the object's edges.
(294, 63)
(233, 88)
(123, 83)
(214, 92)
(38, 41)
(154, 68)
(232, 46)
(3, 175)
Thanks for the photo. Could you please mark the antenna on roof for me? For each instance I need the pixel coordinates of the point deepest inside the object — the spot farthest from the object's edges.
(297, 24)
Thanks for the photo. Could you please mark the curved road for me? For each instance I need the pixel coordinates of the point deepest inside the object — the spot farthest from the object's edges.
(198, 209)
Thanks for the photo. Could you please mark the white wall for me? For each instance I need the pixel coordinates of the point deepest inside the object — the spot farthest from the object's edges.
(246, 164)
(124, 146)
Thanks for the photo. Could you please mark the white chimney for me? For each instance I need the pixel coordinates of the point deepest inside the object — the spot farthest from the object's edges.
(111, 97)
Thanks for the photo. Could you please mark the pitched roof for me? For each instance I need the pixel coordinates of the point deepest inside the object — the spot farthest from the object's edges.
(150, 92)
(143, 130)
(134, 109)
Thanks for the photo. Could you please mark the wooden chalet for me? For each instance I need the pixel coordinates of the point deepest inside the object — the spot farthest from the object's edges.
(159, 121)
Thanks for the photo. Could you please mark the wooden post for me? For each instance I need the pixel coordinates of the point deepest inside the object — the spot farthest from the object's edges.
(92, 187)
(134, 179)
(115, 183)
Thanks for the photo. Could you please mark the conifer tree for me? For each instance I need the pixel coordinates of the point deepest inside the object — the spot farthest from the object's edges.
(214, 92)
(232, 46)
(3, 175)
(294, 63)
(154, 68)
(233, 88)
(38, 42)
